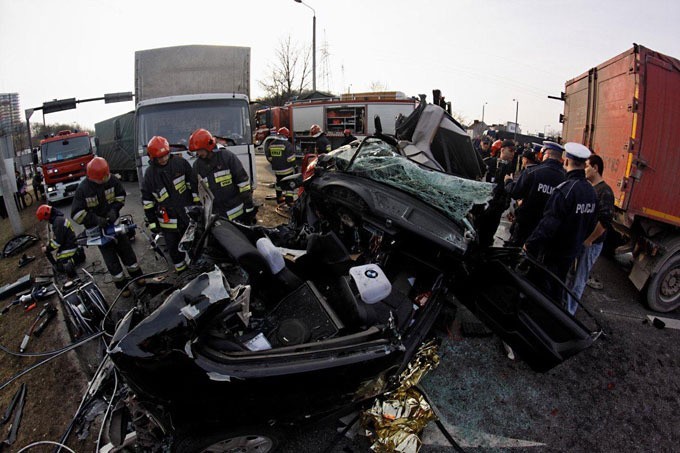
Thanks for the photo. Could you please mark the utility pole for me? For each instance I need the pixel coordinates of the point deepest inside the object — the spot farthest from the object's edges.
(516, 115)
(483, 105)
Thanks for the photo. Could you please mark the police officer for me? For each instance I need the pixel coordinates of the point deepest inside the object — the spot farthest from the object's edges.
(225, 176)
(97, 203)
(533, 188)
(169, 186)
(492, 160)
(322, 144)
(569, 217)
(63, 241)
(348, 137)
(484, 147)
(282, 157)
(487, 222)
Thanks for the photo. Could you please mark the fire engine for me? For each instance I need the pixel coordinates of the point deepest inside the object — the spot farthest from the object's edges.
(64, 159)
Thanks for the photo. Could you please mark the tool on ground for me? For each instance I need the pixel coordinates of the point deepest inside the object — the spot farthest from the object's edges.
(47, 308)
(17, 403)
(30, 299)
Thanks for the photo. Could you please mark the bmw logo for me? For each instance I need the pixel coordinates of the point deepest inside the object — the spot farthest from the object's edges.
(371, 273)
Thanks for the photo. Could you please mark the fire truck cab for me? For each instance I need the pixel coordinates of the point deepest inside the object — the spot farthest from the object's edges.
(64, 160)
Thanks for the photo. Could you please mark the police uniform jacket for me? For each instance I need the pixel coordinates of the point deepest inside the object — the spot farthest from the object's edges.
(166, 191)
(569, 217)
(322, 144)
(228, 181)
(63, 237)
(281, 155)
(534, 187)
(92, 201)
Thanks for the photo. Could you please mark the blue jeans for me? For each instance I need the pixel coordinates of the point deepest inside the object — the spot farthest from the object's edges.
(577, 281)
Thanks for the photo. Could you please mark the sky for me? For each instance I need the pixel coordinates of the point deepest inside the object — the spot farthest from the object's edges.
(482, 54)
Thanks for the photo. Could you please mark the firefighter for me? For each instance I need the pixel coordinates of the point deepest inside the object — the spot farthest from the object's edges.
(534, 187)
(322, 144)
(226, 178)
(63, 241)
(348, 137)
(569, 218)
(169, 186)
(282, 157)
(97, 203)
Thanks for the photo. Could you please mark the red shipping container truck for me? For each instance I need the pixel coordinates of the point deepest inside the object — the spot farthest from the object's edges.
(627, 110)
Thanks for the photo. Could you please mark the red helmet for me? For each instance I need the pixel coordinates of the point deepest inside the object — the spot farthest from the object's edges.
(347, 132)
(44, 212)
(158, 147)
(284, 131)
(315, 130)
(201, 139)
(496, 147)
(98, 170)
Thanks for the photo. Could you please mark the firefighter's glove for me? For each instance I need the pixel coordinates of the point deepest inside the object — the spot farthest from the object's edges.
(102, 222)
(154, 228)
(112, 216)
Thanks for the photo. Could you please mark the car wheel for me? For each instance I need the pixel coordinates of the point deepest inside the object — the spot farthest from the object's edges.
(663, 293)
(242, 440)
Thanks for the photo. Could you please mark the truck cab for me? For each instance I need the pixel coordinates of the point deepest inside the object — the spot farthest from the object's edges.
(177, 117)
(64, 160)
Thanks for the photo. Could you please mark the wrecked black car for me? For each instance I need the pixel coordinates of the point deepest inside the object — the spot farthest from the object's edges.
(279, 326)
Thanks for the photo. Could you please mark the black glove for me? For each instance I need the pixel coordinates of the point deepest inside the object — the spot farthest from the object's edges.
(102, 221)
(112, 216)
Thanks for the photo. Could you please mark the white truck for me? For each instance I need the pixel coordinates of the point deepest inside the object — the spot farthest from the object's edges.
(184, 88)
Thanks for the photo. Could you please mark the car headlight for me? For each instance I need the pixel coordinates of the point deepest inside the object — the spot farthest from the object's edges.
(51, 189)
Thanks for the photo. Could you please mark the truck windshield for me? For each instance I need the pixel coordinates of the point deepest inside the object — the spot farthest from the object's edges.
(65, 149)
(227, 118)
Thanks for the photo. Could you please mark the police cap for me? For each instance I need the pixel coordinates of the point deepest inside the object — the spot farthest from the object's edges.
(536, 147)
(577, 151)
(552, 145)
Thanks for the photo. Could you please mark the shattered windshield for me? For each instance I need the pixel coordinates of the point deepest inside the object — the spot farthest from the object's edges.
(378, 161)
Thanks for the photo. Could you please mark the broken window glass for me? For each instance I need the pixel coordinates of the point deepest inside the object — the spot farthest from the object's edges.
(379, 161)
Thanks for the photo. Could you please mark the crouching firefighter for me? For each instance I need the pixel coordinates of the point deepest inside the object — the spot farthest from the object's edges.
(282, 157)
(169, 186)
(227, 179)
(97, 203)
(68, 255)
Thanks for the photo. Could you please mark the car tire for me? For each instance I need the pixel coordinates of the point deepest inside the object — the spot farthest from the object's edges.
(260, 439)
(663, 292)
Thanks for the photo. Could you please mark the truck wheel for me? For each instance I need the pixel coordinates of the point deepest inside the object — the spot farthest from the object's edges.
(260, 440)
(663, 293)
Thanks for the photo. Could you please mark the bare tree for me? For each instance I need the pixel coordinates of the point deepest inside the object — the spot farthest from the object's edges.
(289, 74)
(377, 86)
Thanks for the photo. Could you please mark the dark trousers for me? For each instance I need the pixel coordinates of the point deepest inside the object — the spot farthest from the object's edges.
(172, 238)
(487, 224)
(68, 265)
(116, 251)
(560, 267)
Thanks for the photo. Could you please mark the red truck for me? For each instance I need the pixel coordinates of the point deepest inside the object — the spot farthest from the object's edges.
(627, 110)
(64, 158)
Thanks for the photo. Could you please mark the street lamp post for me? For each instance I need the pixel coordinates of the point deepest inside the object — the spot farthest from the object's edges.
(516, 115)
(483, 105)
(313, 43)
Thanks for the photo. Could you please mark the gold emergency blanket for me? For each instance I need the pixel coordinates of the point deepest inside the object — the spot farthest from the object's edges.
(396, 418)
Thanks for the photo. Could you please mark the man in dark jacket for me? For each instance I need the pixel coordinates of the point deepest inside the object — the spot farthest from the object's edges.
(97, 204)
(280, 153)
(169, 186)
(569, 217)
(226, 178)
(63, 240)
(533, 188)
(488, 221)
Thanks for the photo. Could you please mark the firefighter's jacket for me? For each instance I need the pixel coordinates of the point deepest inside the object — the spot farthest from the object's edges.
(166, 191)
(63, 240)
(228, 181)
(323, 145)
(281, 155)
(92, 201)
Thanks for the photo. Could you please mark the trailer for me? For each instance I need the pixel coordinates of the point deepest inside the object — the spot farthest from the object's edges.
(627, 110)
(117, 144)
